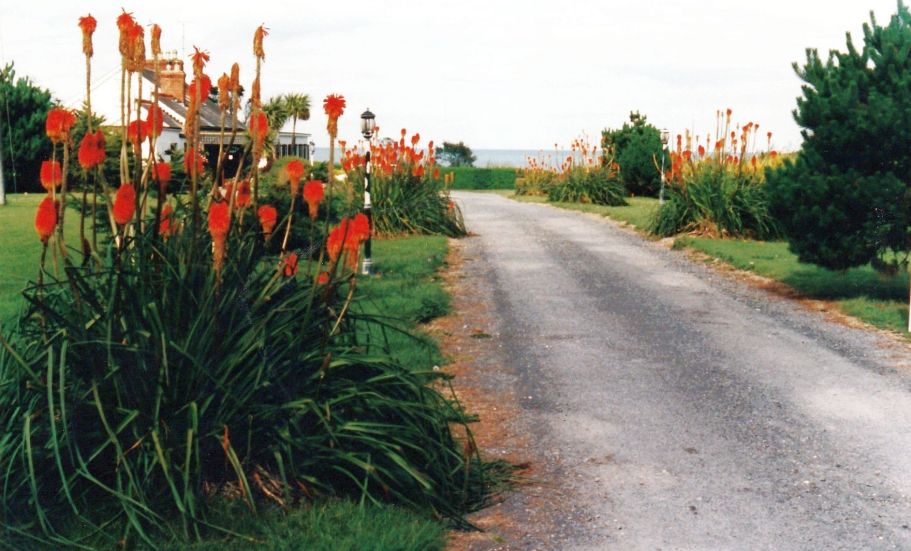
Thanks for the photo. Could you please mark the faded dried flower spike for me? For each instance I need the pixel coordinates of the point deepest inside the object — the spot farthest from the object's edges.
(261, 32)
(88, 25)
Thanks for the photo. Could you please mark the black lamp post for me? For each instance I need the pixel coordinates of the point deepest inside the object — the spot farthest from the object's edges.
(665, 137)
(368, 123)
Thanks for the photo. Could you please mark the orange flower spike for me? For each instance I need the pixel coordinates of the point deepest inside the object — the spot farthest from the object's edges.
(188, 162)
(154, 121)
(51, 174)
(125, 24)
(124, 204)
(58, 124)
(46, 219)
(165, 228)
(701, 150)
(322, 278)
(91, 150)
(334, 106)
(268, 217)
(219, 224)
(334, 244)
(224, 86)
(313, 195)
(205, 86)
(219, 220)
(137, 132)
(289, 265)
(88, 24)
(200, 58)
(295, 170)
(415, 139)
(156, 40)
(258, 36)
(753, 162)
(161, 173)
(359, 229)
(136, 52)
(242, 199)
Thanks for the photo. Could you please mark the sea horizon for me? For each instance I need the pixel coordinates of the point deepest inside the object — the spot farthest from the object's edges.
(491, 158)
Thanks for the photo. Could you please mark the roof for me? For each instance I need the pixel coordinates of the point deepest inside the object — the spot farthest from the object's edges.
(209, 114)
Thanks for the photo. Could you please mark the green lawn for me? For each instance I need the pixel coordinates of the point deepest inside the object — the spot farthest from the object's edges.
(861, 292)
(20, 249)
(405, 292)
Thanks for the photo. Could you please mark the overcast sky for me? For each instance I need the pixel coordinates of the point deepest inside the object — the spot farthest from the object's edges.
(496, 74)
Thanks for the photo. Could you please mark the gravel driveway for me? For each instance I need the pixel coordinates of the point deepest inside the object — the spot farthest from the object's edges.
(690, 411)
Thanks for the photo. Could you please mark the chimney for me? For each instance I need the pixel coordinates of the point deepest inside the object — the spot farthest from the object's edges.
(173, 79)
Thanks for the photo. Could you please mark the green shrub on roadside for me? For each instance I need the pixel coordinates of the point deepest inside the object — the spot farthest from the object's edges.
(845, 201)
(636, 148)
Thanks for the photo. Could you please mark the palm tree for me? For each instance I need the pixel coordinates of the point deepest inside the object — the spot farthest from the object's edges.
(298, 107)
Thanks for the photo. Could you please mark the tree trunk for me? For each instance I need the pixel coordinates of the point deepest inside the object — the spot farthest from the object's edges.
(294, 133)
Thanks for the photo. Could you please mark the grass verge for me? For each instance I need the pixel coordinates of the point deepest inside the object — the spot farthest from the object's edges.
(863, 292)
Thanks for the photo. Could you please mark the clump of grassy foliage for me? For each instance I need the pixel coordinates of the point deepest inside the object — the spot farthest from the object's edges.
(719, 189)
(409, 194)
(583, 177)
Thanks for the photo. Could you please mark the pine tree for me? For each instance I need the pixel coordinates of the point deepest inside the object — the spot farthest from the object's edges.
(635, 148)
(844, 201)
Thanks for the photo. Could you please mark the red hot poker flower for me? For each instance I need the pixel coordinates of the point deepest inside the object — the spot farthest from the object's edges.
(88, 25)
(161, 172)
(219, 220)
(200, 58)
(415, 139)
(125, 24)
(360, 228)
(261, 32)
(91, 150)
(268, 217)
(51, 174)
(154, 121)
(322, 278)
(46, 219)
(224, 86)
(242, 199)
(124, 204)
(289, 265)
(334, 106)
(295, 171)
(205, 86)
(137, 132)
(313, 195)
(156, 39)
(165, 228)
(188, 162)
(58, 124)
(219, 224)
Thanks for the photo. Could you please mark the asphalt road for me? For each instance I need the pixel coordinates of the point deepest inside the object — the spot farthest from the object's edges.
(690, 411)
